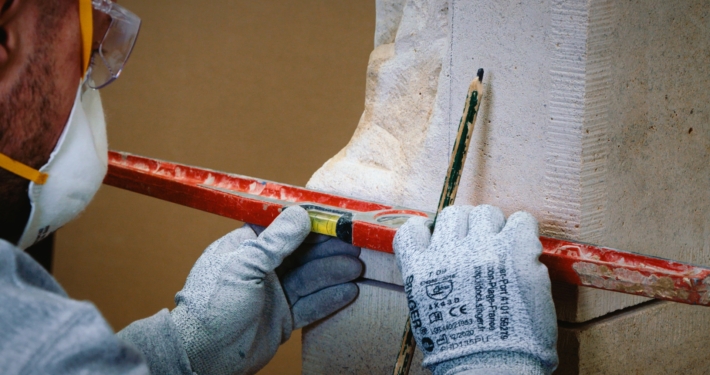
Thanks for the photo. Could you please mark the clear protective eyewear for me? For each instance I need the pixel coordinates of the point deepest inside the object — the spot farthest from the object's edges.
(116, 46)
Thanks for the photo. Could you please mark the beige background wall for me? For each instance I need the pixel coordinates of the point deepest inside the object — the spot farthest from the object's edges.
(269, 89)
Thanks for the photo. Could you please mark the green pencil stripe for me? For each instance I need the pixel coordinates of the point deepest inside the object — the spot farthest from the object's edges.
(459, 151)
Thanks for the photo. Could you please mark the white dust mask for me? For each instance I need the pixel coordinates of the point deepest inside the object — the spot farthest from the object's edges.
(76, 168)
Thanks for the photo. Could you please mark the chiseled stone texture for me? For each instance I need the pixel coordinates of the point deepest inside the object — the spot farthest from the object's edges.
(396, 151)
(595, 119)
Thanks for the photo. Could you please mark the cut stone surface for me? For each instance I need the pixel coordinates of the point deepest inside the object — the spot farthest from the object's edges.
(595, 119)
(356, 341)
(656, 338)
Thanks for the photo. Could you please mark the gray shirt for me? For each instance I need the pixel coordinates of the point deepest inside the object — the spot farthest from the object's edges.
(43, 331)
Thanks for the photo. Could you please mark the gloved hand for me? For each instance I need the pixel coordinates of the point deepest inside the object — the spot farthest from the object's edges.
(319, 263)
(479, 298)
(233, 312)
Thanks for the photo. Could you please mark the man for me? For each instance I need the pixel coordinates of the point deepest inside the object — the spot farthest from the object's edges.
(249, 289)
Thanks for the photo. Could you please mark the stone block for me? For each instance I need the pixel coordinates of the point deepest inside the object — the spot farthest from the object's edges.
(595, 119)
(363, 338)
(652, 338)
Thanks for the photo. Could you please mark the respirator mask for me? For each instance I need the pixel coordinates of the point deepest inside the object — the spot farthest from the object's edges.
(63, 187)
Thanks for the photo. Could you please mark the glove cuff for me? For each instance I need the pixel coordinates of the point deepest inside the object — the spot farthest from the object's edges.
(498, 362)
(196, 342)
(158, 339)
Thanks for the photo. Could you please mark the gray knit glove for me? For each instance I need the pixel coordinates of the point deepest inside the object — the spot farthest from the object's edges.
(479, 299)
(322, 264)
(233, 312)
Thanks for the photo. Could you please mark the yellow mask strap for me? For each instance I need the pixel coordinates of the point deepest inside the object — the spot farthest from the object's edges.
(22, 170)
(86, 19)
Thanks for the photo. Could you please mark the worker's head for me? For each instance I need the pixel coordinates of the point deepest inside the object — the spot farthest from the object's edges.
(52, 133)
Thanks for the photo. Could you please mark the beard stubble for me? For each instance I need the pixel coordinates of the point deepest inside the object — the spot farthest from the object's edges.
(28, 118)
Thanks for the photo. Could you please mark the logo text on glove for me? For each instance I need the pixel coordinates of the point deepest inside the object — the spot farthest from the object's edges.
(413, 309)
(440, 290)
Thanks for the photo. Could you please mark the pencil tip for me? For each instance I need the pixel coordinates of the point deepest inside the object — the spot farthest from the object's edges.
(480, 75)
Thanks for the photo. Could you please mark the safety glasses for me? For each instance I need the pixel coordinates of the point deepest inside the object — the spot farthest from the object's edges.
(116, 46)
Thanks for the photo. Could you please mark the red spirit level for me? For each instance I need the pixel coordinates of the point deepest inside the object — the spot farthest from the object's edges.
(373, 226)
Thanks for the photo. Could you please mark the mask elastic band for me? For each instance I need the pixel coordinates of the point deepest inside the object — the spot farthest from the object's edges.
(86, 19)
(22, 170)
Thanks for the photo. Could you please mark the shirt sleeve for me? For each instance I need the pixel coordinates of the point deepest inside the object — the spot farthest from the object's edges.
(158, 339)
(87, 345)
(42, 331)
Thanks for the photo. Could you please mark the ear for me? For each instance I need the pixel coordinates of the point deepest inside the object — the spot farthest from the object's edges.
(7, 9)
(5, 5)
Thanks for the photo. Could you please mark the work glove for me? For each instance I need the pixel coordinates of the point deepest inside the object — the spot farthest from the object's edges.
(234, 311)
(479, 299)
(321, 261)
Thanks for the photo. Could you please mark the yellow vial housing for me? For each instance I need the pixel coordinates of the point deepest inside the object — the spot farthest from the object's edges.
(324, 222)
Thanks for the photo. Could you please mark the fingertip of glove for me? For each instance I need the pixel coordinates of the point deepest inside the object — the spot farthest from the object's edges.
(452, 213)
(345, 294)
(299, 215)
(336, 246)
(350, 292)
(341, 268)
(486, 218)
(331, 247)
(353, 265)
(522, 227)
(416, 222)
(321, 274)
(319, 305)
(451, 224)
(524, 221)
(294, 220)
(414, 233)
(281, 237)
(488, 210)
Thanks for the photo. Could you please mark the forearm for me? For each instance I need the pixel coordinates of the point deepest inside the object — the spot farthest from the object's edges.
(157, 338)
